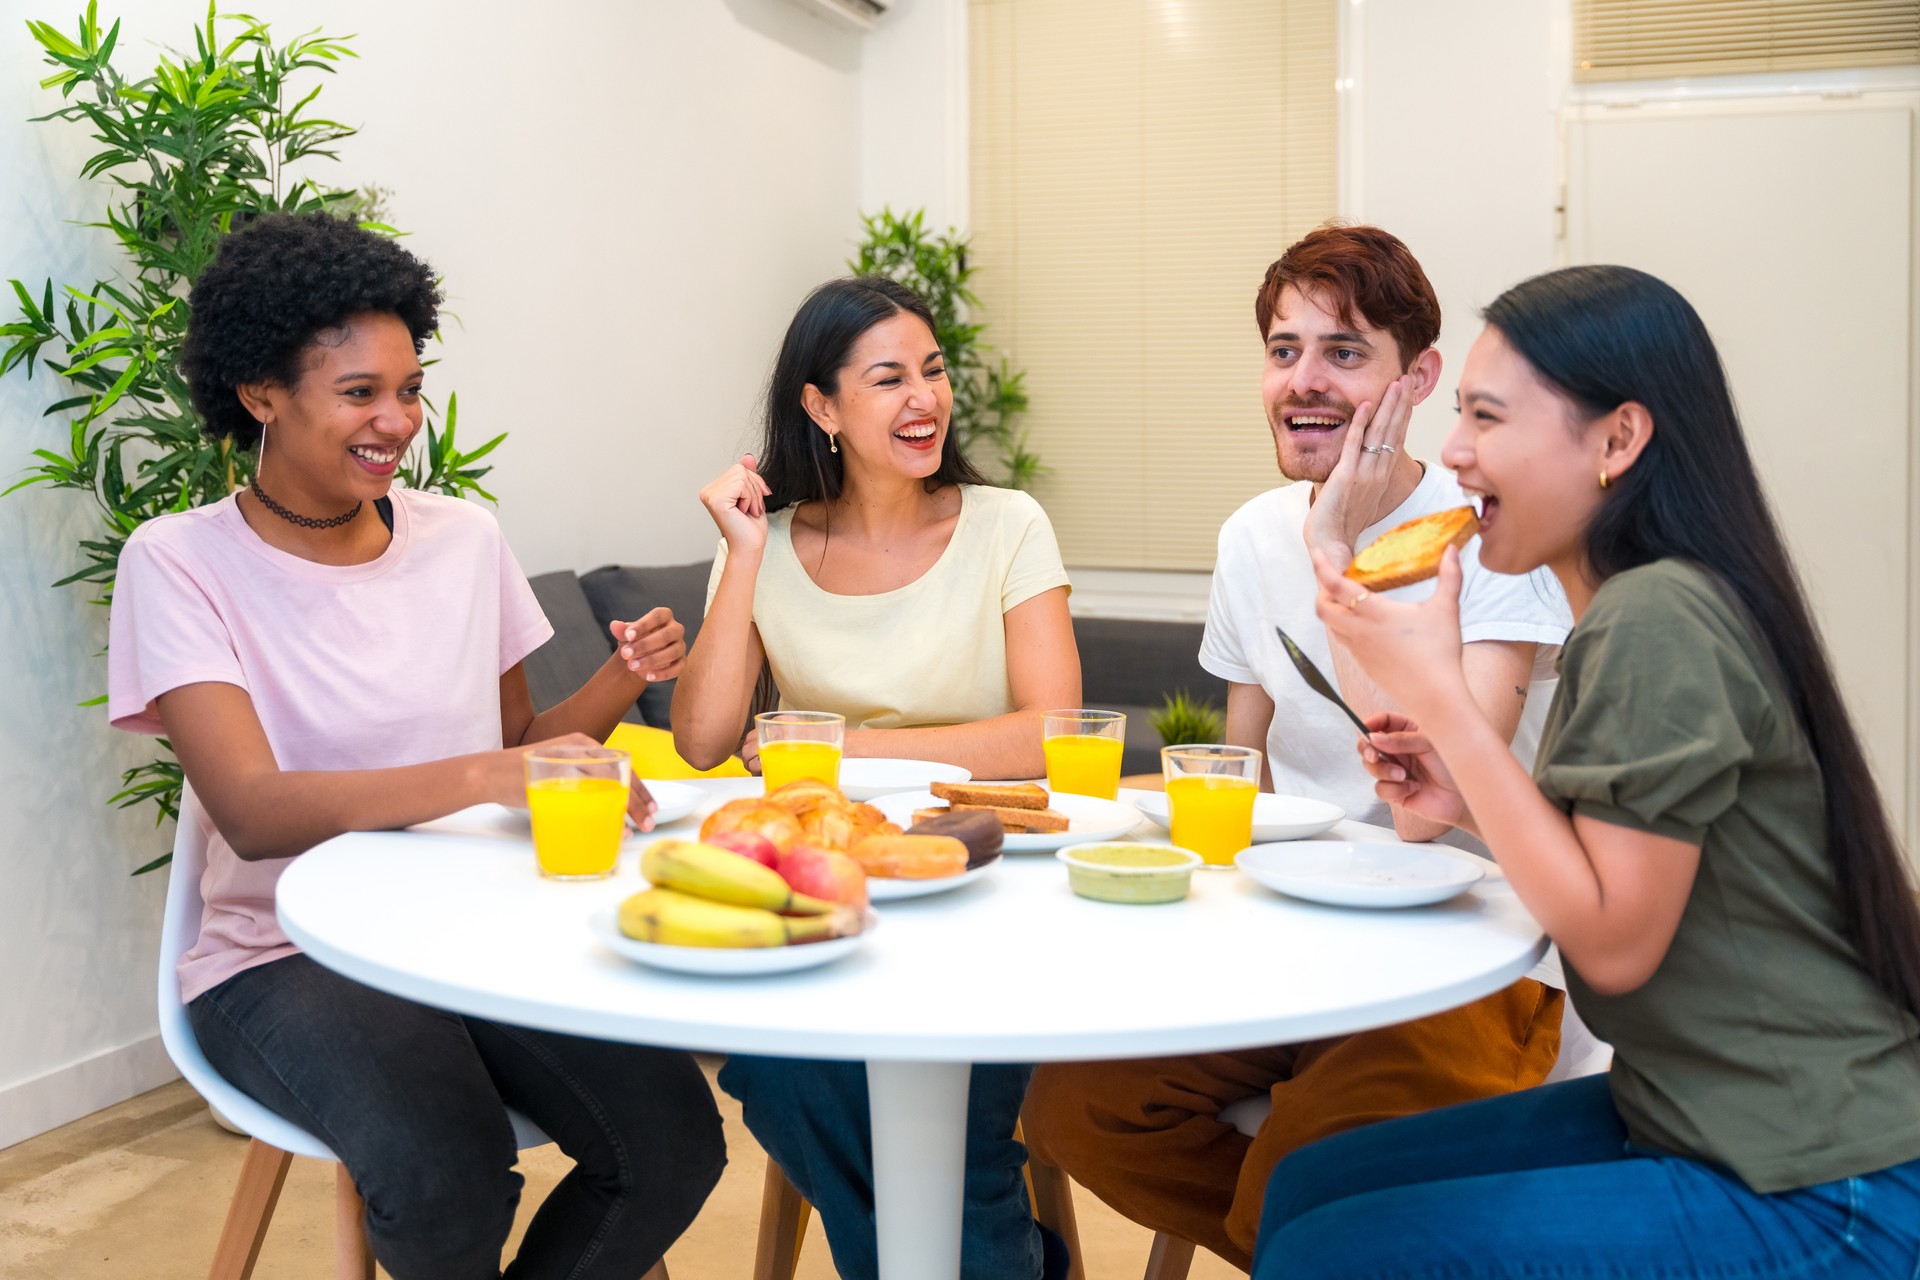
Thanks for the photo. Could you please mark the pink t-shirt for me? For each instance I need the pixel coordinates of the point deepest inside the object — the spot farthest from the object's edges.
(368, 666)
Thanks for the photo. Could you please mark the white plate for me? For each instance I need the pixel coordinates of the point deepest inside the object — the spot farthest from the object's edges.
(675, 800)
(865, 777)
(724, 961)
(1088, 819)
(885, 889)
(1274, 817)
(1361, 875)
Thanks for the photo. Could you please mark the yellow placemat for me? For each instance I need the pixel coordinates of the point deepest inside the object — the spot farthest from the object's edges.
(654, 756)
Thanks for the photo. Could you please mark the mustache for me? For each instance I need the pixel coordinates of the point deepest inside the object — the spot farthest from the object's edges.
(1298, 404)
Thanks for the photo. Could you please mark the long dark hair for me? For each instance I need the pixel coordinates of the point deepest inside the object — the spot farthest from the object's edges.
(795, 460)
(1606, 335)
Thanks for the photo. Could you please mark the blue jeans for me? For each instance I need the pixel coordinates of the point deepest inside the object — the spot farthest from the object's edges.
(1544, 1184)
(813, 1120)
(413, 1100)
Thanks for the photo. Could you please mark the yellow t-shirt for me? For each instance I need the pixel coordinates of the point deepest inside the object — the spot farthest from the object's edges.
(933, 652)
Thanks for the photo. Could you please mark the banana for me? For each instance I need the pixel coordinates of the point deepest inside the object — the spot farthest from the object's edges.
(682, 920)
(724, 876)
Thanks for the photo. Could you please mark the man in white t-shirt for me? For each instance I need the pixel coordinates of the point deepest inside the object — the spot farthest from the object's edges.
(1349, 321)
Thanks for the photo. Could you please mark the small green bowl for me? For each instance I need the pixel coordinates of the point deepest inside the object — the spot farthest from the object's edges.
(1131, 873)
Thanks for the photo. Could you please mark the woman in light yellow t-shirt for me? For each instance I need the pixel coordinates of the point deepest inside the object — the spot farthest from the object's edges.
(891, 585)
(866, 564)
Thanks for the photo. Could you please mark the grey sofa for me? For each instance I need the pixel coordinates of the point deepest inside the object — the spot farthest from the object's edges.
(1125, 664)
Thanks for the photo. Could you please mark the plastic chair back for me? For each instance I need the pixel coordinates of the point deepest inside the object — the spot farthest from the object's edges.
(178, 930)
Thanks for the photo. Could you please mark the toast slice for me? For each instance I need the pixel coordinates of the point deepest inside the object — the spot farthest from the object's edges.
(1411, 552)
(1023, 819)
(981, 795)
(1016, 821)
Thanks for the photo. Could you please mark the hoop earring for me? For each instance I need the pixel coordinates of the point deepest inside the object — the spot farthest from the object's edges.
(1603, 478)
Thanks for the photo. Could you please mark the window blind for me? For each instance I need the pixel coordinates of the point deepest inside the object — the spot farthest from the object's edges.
(1648, 39)
(1136, 164)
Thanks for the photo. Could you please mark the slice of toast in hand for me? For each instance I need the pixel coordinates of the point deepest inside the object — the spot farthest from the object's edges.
(1411, 552)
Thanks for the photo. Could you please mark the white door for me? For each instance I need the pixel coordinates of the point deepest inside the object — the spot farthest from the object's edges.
(1790, 226)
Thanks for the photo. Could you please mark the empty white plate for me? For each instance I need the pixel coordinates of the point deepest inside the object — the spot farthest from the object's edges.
(724, 961)
(1274, 817)
(1088, 819)
(1361, 875)
(888, 889)
(866, 777)
(675, 800)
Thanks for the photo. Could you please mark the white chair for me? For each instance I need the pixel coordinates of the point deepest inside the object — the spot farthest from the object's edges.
(1581, 1054)
(274, 1141)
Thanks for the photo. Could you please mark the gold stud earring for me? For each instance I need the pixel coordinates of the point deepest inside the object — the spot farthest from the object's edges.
(1603, 477)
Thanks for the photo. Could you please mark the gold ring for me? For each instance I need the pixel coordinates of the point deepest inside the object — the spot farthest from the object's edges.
(1353, 602)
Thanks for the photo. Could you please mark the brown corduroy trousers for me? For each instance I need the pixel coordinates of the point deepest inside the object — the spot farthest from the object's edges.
(1145, 1135)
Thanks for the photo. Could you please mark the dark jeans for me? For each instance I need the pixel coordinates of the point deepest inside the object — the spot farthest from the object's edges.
(1543, 1183)
(413, 1100)
(812, 1118)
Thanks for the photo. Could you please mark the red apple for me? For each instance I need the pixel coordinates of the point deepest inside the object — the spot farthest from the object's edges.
(749, 844)
(821, 873)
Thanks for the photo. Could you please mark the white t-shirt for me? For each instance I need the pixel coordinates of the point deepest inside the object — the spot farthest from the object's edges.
(1263, 578)
(368, 666)
(933, 652)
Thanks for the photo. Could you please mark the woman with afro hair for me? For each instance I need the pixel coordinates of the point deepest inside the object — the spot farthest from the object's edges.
(326, 654)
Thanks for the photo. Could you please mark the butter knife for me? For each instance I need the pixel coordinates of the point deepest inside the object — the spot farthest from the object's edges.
(1319, 683)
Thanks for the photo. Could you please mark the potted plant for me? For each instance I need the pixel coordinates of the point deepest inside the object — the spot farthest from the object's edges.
(987, 398)
(189, 152)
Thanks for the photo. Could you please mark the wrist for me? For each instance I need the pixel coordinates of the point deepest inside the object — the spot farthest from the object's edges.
(1334, 546)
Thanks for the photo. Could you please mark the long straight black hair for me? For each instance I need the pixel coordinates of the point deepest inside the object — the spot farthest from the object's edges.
(795, 459)
(1606, 335)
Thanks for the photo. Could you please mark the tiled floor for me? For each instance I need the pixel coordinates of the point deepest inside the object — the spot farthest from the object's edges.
(139, 1191)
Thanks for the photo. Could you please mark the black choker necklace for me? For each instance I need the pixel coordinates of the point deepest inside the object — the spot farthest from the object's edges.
(305, 522)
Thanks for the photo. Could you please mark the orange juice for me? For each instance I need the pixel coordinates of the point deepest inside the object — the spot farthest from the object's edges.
(790, 761)
(577, 825)
(1084, 764)
(1212, 815)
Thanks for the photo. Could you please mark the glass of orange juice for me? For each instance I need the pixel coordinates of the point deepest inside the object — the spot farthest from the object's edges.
(1210, 791)
(578, 799)
(1083, 751)
(800, 744)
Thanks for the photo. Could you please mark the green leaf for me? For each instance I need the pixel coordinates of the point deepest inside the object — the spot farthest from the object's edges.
(53, 41)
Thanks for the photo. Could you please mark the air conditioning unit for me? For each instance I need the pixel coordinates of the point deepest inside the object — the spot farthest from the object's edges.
(864, 14)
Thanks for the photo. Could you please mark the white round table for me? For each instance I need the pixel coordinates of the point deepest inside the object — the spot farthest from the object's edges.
(1011, 968)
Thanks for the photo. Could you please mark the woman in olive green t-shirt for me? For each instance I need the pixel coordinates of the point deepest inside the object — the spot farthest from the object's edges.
(1702, 839)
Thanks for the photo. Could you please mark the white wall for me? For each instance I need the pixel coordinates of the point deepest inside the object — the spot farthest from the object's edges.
(627, 202)
(913, 112)
(77, 935)
(1453, 111)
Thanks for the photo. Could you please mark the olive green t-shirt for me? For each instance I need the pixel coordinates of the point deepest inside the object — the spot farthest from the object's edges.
(1760, 1044)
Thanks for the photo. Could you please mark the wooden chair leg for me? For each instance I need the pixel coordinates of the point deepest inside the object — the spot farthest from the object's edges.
(783, 1225)
(261, 1176)
(1170, 1259)
(659, 1271)
(1052, 1194)
(353, 1255)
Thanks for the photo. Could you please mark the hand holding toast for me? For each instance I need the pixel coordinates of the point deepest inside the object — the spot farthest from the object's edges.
(1411, 651)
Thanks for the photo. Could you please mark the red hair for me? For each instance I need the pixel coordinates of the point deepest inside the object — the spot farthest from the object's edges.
(1358, 271)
